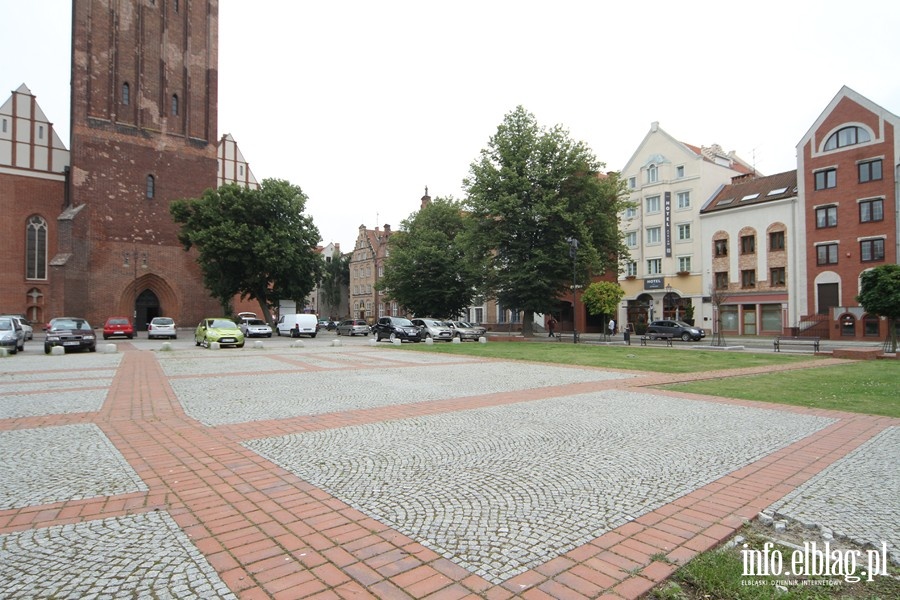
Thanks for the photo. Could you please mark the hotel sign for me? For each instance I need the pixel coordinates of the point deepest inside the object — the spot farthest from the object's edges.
(668, 224)
(654, 283)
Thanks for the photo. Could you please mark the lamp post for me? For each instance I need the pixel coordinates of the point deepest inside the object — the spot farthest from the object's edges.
(573, 252)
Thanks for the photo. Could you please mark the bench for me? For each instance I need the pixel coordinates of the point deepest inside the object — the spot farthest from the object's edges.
(657, 336)
(796, 341)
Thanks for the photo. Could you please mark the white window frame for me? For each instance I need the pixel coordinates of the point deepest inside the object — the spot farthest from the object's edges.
(654, 266)
(654, 238)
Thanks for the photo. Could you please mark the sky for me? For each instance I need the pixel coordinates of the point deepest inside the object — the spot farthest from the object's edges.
(363, 104)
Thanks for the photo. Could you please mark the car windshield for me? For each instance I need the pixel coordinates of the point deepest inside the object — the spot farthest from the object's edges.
(6, 324)
(256, 322)
(162, 321)
(69, 324)
(403, 323)
(222, 324)
(118, 321)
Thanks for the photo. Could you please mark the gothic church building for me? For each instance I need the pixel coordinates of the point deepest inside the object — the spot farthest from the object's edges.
(88, 231)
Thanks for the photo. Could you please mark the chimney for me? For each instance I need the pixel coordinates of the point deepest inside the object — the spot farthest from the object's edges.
(387, 229)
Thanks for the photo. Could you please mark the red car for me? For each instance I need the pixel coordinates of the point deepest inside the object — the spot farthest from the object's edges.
(118, 326)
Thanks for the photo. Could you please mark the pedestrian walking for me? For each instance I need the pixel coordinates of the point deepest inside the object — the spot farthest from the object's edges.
(612, 326)
(551, 327)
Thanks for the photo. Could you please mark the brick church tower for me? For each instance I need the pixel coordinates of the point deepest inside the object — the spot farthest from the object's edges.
(144, 133)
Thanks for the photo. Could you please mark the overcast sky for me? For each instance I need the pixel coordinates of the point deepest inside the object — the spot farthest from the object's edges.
(362, 104)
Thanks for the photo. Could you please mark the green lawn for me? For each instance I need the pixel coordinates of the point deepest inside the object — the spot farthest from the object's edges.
(661, 360)
(868, 386)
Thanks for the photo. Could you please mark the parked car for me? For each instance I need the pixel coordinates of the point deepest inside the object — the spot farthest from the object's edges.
(72, 333)
(677, 329)
(255, 328)
(466, 331)
(396, 328)
(434, 329)
(25, 324)
(218, 329)
(162, 327)
(297, 324)
(12, 337)
(353, 327)
(118, 326)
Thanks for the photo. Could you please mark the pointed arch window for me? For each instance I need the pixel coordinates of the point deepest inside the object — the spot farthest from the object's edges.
(151, 186)
(174, 105)
(126, 94)
(36, 248)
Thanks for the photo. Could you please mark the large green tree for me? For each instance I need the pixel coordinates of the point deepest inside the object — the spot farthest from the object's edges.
(879, 294)
(256, 243)
(430, 269)
(531, 190)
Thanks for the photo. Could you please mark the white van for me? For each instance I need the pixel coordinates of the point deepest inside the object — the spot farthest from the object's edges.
(297, 325)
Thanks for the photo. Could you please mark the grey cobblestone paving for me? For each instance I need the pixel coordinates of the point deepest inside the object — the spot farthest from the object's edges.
(76, 377)
(502, 489)
(54, 464)
(133, 556)
(72, 362)
(55, 384)
(856, 497)
(310, 393)
(13, 406)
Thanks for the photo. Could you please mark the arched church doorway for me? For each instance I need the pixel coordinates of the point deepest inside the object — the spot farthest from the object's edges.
(146, 307)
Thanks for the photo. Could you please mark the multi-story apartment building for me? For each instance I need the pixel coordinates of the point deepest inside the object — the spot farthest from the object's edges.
(847, 163)
(366, 268)
(669, 182)
(749, 228)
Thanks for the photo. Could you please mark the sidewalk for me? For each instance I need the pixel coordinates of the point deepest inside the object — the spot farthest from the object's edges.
(368, 473)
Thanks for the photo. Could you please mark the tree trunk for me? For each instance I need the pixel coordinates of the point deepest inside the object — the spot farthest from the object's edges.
(264, 311)
(528, 323)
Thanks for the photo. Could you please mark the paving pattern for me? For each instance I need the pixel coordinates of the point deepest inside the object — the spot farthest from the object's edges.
(855, 497)
(237, 399)
(500, 490)
(367, 472)
(53, 464)
(134, 556)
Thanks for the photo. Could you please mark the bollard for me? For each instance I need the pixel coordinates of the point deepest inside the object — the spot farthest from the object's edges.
(215, 345)
(109, 349)
(166, 347)
(258, 345)
(429, 341)
(482, 340)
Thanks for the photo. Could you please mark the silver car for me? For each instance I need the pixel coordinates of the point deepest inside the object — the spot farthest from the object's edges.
(353, 327)
(466, 331)
(162, 327)
(11, 335)
(434, 329)
(255, 328)
(25, 324)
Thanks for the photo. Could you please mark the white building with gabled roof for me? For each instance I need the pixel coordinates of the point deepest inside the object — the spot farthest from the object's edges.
(669, 181)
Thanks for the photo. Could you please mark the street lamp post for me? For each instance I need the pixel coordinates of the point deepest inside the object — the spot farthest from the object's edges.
(573, 252)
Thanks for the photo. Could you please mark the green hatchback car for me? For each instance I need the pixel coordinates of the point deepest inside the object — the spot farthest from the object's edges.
(218, 329)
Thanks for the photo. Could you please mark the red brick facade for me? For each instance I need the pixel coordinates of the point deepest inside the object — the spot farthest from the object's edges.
(850, 209)
(144, 98)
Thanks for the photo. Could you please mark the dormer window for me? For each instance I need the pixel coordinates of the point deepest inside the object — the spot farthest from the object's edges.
(847, 136)
(652, 174)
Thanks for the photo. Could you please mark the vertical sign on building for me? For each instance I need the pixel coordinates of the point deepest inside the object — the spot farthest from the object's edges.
(668, 224)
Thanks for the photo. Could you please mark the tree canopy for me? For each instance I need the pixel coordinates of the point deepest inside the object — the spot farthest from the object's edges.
(879, 294)
(256, 243)
(603, 297)
(531, 190)
(429, 269)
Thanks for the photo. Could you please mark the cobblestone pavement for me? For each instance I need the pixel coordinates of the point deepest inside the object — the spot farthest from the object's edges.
(848, 497)
(361, 471)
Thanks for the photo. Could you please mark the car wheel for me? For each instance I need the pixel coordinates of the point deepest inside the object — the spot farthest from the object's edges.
(366, 334)
(47, 349)
(428, 336)
(685, 337)
(92, 349)
(392, 337)
(240, 345)
(14, 350)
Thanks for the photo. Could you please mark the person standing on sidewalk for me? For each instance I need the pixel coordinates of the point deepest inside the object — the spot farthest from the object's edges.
(551, 327)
